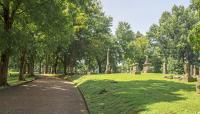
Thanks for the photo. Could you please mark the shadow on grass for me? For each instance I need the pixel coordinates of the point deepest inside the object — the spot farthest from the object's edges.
(130, 97)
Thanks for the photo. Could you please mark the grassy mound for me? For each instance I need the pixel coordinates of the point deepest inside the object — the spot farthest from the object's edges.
(143, 94)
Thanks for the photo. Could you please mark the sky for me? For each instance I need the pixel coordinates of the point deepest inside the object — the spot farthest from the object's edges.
(140, 14)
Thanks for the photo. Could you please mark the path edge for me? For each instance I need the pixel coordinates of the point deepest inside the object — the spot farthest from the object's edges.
(81, 93)
(85, 102)
(17, 85)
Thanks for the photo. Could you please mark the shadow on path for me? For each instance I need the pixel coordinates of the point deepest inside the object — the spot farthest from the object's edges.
(43, 96)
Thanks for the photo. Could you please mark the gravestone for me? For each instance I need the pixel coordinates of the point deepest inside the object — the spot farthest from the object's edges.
(88, 73)
(198, 85)
(191, 70)
(194, 71)
(131, 69)
(136, 69)
(165, 68)
(147, 66)
(187, 77)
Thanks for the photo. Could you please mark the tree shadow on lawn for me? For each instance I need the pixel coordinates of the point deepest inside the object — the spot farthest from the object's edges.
(130, 97)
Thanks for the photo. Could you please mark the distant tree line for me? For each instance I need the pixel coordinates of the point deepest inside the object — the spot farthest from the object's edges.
(73, 36)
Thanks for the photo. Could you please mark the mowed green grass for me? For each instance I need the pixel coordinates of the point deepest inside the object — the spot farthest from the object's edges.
(140, 94)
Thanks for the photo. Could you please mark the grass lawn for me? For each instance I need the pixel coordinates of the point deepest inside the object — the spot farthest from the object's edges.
(13, 79)
(140, 94)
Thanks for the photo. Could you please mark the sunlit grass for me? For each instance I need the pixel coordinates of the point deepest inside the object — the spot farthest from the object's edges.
(51, 75)
(133, 94)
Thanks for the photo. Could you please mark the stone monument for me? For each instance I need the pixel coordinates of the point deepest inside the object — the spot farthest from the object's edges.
(198, 85)
(136, 69)
(194, 71)
(165, 68)
(108, 71)
(146, 66)
(187, 77)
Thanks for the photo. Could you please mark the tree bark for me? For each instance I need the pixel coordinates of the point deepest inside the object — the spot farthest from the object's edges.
(31, 66)
(46, 69)
(40, 68)
(55, 66)
(5, 54)
(22, 65)
(65, 65)
(8, 17)
(100, 66)
(4, 68)
(46, 66)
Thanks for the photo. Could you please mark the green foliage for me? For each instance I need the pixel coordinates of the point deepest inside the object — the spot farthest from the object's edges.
(75, 34)
(172, 37)
(124, 35)
(175, 66)
(195, 37)
(196, 4)
(156, 62)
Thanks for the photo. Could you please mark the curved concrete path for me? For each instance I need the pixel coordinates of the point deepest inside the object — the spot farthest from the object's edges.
(42, 96)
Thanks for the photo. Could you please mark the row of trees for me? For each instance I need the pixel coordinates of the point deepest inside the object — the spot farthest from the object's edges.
(73, 36)
(47, 35)
(168, 44)
(171, 36)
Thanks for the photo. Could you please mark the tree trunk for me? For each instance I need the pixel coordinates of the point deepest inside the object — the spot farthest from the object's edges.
(46, 66)
(100, 66)
(54, 71)
(65, 69)
(22, 65)
(55, 66)
(40, 68)
(46, 69)
(5, 54)
(4, 68)
(25, 68)
(31, 67)
(65, 65)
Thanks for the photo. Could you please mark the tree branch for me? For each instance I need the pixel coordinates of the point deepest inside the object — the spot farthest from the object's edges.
(18, 3)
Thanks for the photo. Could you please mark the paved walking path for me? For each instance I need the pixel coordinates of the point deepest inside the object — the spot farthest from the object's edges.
(42, 96)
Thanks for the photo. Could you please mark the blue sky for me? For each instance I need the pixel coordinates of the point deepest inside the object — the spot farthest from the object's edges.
(141, 14)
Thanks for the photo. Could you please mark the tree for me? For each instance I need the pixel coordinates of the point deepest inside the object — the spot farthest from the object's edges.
(17, 12)
(139, 49)
(195, 37)
(124, 36)
(171, 35)
(8, 9)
